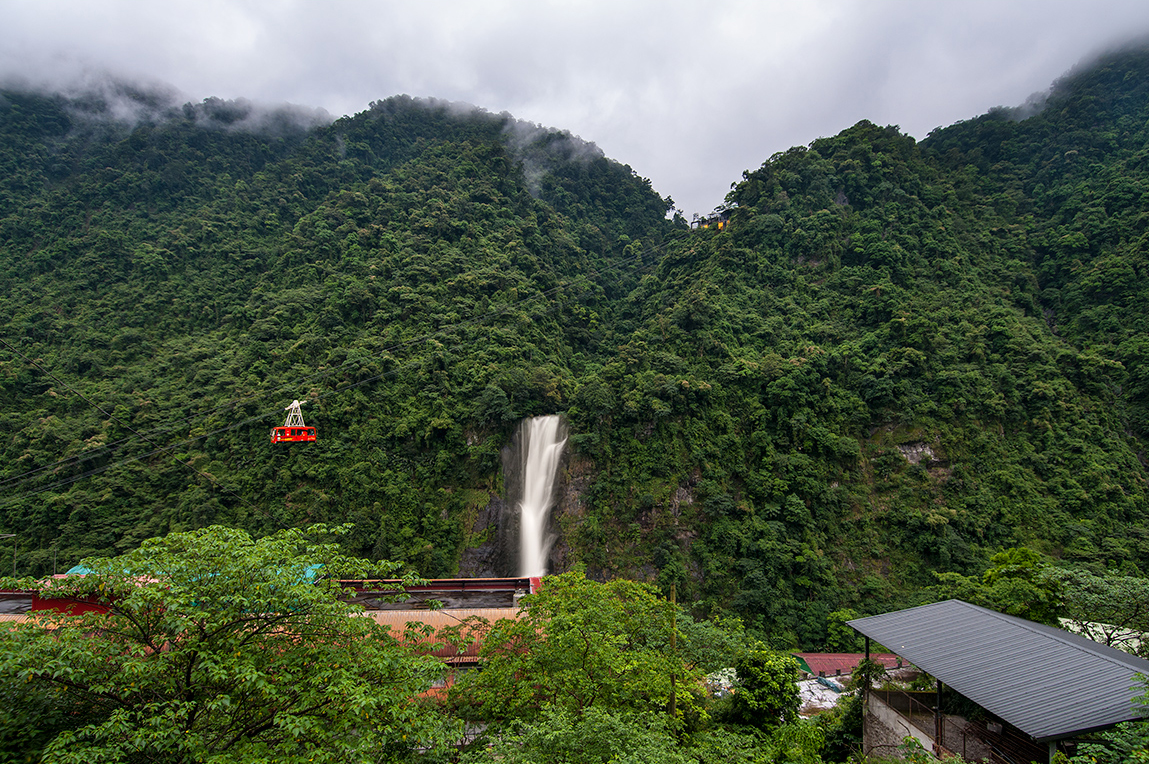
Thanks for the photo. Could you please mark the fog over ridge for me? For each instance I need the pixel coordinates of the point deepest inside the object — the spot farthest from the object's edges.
(689, 97)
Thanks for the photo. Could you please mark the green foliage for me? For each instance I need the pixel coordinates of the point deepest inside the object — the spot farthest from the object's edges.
(912, 750)
(868, 673)
(766, 694)
(32, 715)
(840, 636)
(1017, 584)
(584, 675)
(579, 644)
(898, 359)
(1127, 743)
(216, 647)
(559, 736)
(192, 274)
(860, 383)
(842, 728)
(1110, 609)
(601, 735)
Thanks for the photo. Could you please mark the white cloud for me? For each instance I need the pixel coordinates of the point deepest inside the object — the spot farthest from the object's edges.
(688, 94)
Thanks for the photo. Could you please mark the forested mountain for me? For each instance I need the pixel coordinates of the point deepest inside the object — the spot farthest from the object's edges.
(169, 286)
(897, 358)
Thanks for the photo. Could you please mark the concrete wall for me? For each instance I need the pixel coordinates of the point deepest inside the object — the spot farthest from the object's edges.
(883, 729)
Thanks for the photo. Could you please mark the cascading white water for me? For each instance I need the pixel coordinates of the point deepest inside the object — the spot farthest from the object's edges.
(541, 450)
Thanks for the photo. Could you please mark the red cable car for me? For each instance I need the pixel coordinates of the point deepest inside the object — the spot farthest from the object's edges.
(293, 430)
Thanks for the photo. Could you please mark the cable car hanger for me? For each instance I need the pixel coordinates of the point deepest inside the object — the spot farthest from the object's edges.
(293, 430)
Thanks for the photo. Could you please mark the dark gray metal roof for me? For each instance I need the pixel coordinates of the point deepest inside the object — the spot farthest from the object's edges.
(1047, 682)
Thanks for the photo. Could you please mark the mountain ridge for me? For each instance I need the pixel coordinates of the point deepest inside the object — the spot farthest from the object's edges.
(900, 357)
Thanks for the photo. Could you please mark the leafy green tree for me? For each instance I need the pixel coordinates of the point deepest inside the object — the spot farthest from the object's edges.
(628, 737)
(842, 728)
(900, 357)
(1016, 584)
(840, 636)
(766, 694)
(1126, 743)
(219, 648)
(1110, 609)
(577, 645)
(560, 736)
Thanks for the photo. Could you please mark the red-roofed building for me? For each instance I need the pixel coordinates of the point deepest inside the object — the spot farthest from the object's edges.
(840, 664)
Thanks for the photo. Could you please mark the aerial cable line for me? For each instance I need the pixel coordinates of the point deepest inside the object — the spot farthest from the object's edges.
(67, 462)
(160, 449)
(167, 427)
(172, 424)
(243, 423)
(17, 480)
(112, 417)
(138, 457)
(20, 479)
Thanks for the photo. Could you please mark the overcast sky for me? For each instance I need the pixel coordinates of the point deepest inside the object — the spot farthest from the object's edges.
(689, 94)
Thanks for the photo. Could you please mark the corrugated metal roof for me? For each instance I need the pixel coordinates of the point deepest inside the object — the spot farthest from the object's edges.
(17, 617)
(1047, 682)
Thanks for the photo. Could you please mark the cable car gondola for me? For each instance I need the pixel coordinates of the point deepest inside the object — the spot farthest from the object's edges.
(293, 430)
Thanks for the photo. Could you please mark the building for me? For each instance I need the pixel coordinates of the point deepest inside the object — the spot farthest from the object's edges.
(1033, 688)
(442, 603)
(414, 613)
(840, 664)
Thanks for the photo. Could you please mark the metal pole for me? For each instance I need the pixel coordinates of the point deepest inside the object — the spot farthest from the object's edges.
(673, 649)
(866, 734)
(939, 723)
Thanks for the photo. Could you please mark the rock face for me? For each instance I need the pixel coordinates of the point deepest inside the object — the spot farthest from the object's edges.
(916, 453)
(486, 560)
(573, 481)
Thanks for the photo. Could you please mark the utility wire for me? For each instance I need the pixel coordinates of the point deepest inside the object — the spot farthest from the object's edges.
(18, 480)
(112, 418)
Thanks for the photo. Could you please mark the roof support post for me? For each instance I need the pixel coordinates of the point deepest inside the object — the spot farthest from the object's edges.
(939, 723)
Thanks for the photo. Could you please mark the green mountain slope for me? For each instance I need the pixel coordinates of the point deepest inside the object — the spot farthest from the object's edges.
(188, 278)
(898, 358)
(859, 381)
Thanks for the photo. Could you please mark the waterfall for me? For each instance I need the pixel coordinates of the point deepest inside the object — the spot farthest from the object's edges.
(541, 442)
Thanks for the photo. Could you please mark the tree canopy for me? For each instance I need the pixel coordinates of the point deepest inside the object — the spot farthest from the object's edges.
(900, 357)
(214, 647)
(579, 644)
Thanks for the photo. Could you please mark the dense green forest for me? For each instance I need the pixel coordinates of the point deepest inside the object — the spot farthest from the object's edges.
(898, 359)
